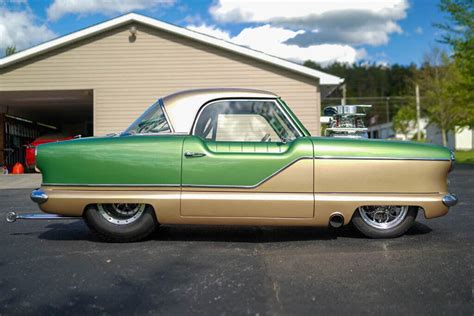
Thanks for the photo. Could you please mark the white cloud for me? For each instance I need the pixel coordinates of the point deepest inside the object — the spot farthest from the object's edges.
(268, 10)
(21, 29)
(60, 8)
(272, 40)
(419, 30)
(211, 31)
(355, 22)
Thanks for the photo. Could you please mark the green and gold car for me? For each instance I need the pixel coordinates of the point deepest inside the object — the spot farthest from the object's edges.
(237, 157)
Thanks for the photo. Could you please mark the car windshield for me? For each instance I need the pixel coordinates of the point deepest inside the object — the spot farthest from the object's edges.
(153, 121)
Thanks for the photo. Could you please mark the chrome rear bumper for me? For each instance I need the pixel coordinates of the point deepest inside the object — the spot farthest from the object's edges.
(38, 196)
(450, 199)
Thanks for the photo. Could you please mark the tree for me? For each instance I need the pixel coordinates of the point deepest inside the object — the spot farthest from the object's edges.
(459, 28)
(438, 78)
(458, 33)
(10, 50)
(404, 119)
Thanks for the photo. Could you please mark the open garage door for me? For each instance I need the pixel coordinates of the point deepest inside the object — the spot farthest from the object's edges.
(41, 116)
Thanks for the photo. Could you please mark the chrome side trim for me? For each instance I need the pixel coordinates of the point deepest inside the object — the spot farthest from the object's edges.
(450, 199)
(379, 158)
(38, 196)
(111, 185)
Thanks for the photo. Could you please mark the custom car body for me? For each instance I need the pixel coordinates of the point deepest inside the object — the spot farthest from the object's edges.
(239, 157)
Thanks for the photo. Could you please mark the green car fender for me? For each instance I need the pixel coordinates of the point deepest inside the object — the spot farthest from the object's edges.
(113, 161)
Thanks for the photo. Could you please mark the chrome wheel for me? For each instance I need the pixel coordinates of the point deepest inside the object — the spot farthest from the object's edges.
(121, 213)
(383, 217)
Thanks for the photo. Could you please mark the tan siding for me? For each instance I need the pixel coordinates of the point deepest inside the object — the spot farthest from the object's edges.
(127, 77)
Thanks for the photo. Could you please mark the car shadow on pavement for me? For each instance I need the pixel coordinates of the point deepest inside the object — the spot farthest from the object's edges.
(247, 234)
(418, 229)
(76, 230)
(266, 234)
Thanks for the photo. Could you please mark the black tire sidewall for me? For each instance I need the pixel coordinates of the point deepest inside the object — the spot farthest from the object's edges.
(393, 232)
(137, 230)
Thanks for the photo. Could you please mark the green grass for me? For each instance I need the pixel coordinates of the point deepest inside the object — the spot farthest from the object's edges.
(465, 157)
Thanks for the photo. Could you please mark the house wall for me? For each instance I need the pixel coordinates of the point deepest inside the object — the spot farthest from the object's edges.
(385, 130)
(128, 75)
(464, 139)
(434, 136)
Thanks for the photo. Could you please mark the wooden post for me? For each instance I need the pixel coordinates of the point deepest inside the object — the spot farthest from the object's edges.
(3, 139)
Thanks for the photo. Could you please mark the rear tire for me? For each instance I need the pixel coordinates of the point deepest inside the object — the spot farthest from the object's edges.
(369, 226)
(127, 226)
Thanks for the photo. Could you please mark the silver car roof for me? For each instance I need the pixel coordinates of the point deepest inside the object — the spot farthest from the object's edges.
(182, 107)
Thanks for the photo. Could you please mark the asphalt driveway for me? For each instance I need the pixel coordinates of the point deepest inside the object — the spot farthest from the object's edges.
(60, 268)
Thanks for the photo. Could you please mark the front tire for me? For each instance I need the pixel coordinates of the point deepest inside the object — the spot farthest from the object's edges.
(121, 222)
(384, 221)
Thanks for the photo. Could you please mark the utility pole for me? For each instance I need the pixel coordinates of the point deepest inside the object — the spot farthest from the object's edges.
(387, 109)
(343, 100)
(418, 122)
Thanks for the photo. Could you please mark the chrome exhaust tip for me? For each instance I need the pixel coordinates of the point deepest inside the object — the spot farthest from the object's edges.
(336, 220)
(13, 217)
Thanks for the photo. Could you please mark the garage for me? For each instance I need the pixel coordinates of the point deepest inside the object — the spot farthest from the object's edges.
(30, 116)
(98, 80)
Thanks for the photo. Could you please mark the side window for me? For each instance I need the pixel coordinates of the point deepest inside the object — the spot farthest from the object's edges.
(153, 121)
(245, 121)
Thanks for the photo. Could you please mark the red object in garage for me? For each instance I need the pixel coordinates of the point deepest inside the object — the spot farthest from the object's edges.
(30, 148)
(18, 168)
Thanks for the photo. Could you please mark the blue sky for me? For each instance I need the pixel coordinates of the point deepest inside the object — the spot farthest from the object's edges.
(388, 31)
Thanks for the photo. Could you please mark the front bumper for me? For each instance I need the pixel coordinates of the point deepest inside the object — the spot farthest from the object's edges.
(450, 200)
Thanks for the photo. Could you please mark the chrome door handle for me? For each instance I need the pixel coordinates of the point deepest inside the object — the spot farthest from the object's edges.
(190, 154)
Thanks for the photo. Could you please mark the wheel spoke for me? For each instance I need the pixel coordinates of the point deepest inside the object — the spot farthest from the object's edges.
(383, 217)
(121, 213)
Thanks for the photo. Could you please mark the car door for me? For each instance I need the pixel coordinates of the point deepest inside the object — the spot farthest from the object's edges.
(245, 158)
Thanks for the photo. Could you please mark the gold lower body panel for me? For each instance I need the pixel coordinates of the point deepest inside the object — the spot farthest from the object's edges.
(236, 208)
(250, 204)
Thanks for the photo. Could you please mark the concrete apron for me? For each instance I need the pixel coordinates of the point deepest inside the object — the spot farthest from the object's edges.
(20, 181)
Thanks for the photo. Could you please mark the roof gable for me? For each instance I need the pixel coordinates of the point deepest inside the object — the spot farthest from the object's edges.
(324, 78)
